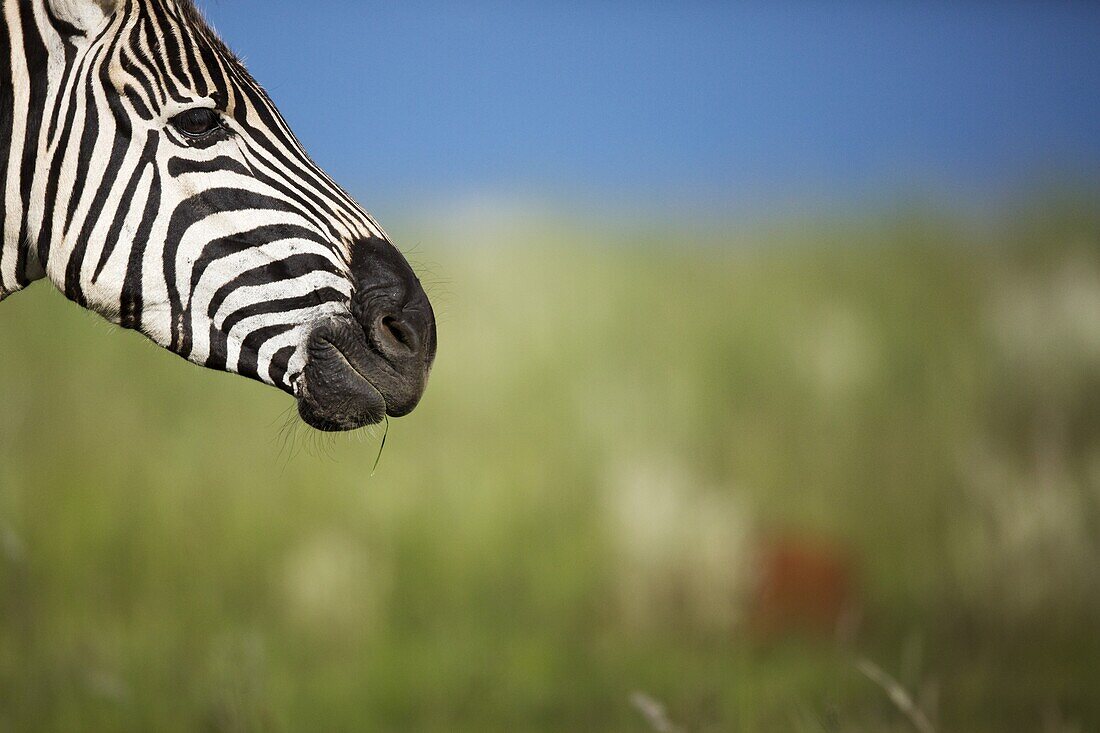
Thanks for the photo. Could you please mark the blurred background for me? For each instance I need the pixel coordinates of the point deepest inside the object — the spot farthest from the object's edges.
(767, 396)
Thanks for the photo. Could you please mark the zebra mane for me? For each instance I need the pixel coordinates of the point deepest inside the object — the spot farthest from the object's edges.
(195, 18)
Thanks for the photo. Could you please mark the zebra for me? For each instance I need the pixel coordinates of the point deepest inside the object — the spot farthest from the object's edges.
(152, 180)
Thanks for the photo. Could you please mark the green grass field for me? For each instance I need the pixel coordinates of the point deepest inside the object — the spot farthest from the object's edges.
(614, 428)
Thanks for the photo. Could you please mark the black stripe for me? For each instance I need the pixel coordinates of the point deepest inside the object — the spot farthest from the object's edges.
(134, 66)
(131, 296)
(115, 232)
(312, 299)
(107, 178)
(53, 175)
(34, 51)
(55, 119)
(191, 61)
(137, 102)
(165, 51)
(279, 364)
(7, 121)
(88, 138)
(250, 348)
(219, 349)
(284, 269)
(171, 40)
(179, 166)
(251, 239)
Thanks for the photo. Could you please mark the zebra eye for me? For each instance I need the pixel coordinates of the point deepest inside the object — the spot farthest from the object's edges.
(197, 122)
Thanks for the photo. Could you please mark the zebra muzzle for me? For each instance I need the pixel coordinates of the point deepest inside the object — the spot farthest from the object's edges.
(355, 375)
(375, 360)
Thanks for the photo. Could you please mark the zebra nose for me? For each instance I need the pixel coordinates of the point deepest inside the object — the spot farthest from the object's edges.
(392, 308)
(395, 335)
(401, 333)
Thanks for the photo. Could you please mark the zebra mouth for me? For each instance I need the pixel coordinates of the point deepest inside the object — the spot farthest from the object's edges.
(348, 382)
(335, 393)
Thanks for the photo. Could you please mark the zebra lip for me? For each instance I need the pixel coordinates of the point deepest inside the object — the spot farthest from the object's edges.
(335, 393)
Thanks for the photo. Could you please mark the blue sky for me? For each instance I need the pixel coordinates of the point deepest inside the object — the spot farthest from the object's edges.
(679, 104)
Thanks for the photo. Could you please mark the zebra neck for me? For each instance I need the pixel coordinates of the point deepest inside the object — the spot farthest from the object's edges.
(33, 57)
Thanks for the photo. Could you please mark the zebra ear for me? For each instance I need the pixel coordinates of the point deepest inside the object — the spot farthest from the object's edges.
(78, 17)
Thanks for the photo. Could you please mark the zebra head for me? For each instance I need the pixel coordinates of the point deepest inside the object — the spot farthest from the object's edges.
(154, 182)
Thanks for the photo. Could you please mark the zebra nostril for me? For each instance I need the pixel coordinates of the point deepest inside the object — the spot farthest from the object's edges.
(395, 335)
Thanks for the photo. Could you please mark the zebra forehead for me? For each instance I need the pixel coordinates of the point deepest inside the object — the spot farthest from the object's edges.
(184, 13)
(193, 29)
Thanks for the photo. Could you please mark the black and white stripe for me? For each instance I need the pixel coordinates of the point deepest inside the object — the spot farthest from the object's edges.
(223, 247)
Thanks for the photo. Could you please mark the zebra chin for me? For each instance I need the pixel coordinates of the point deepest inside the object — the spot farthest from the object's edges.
(348, 382)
